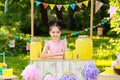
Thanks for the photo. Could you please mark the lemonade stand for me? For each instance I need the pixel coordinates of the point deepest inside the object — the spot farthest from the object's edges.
(73, 63)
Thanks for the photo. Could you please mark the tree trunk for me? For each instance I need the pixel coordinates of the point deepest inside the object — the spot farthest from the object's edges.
(70, 21)
(44, 19)
(44, 16)
(59, 14)
(6, 7)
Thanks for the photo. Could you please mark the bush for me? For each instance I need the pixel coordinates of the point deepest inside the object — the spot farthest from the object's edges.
(20, 42)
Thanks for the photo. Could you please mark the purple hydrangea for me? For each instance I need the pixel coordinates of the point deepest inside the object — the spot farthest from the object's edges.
(69, 77)
(90, 71)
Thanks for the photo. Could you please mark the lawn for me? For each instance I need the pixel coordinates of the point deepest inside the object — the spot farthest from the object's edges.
(18, 63)
(104, 49)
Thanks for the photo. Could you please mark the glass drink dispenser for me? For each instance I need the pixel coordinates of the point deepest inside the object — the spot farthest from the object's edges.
(83, 48)
(35, 49)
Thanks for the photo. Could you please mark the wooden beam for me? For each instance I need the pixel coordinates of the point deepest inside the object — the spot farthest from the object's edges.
(91, 18)
(32, 18)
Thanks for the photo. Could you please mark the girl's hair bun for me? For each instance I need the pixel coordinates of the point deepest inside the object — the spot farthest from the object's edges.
(50, 23)
(55, 23)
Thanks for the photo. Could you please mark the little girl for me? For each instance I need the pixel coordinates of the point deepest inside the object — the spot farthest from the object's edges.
(54, 48)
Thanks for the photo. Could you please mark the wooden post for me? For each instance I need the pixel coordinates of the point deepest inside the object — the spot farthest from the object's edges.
(91, 18)
(32, 18)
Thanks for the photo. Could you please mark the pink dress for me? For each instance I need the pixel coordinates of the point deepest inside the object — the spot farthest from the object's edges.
(55, 48)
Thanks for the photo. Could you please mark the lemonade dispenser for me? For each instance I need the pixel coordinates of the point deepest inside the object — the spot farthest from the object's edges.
(83, 48)
(35, 49)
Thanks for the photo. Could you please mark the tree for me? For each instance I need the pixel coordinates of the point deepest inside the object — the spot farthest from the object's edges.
(115, 21)
(6, 6)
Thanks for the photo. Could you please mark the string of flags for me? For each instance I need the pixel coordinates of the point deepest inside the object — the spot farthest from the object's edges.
(98, 5)
(59, 6)
(28, 39)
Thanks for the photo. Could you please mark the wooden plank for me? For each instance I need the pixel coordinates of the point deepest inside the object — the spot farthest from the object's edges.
(59, 69)
(72, 66)
(49, 67)
(9, 77)
(52, 68)
(46, 67)
(79, 70)
(91, 18)
(40, 69)
(32, 18)
(104, 76)
(65, 66)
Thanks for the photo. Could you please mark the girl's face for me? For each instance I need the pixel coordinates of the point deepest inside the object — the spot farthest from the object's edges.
(55, 33)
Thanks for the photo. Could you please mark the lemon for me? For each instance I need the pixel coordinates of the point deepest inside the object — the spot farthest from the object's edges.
(117, 67)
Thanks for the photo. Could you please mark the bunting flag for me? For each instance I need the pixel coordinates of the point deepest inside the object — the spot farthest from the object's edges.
(100, 31)
(20, 37)
(37, 3)
(98, 6)
(85, 3)
(112, 11)
(45, 5)
(59, 7)
(72, 6)
(12, 44)
(66, 6)
(27, 46)
(16, 37)
(52, 6)
(79, 5)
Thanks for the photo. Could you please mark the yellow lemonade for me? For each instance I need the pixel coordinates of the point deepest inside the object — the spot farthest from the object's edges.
(109, 70)
(35, 49)
(83, 48)
(68, 54)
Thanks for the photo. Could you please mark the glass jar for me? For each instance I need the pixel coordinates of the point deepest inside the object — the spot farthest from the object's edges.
(68, 54)
(83, 48)
(35, 49)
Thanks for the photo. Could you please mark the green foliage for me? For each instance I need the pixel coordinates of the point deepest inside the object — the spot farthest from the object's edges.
(20, 47)
(18, 63)
(115, 21)
(77, 19)
(104, 52)
(6, 36)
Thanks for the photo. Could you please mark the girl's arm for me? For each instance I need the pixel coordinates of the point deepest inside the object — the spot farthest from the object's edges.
(56, 57)
(60, 55)
(51, 55)
(45, 53)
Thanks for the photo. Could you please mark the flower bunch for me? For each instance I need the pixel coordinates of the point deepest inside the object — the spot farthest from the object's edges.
(90, 71)
(69, 76)
(49, 76)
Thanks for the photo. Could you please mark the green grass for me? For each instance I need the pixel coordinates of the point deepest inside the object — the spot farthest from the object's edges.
(104, 50)
(18, 63)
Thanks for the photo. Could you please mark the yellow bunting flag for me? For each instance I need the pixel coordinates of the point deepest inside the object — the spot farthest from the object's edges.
(79, 4)
(52, 6)
(45, 5)
(85, 3)
(66, 6)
